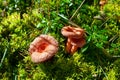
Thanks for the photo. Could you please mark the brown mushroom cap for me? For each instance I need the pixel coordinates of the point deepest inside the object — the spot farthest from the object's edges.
(102, 2)
(43, 48)
(72, 32)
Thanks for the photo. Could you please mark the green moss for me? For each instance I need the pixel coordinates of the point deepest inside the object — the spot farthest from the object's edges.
(97, 60)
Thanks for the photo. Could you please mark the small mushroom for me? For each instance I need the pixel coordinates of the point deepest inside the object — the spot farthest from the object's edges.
(43, 48)
(75, 38)
(102, 3)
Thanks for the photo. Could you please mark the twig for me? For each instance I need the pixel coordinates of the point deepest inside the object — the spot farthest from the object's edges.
(72, 23)
(104, 22)
(116, 56)
(22, 55)
(77, 10)
(113, 38)
(112, 57)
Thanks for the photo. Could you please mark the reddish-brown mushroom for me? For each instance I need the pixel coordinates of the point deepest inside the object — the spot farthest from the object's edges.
(43, 48)
(75, 38)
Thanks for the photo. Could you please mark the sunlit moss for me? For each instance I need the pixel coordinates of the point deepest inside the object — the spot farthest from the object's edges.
(88, 63)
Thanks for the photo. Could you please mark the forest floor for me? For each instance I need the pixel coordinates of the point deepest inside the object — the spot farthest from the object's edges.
(98, 59)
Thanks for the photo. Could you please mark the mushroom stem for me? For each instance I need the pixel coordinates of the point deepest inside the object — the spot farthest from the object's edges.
(68, 46)
(74, 49)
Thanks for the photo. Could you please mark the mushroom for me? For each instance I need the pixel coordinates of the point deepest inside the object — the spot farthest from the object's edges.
(75, 38)
(102, 3)
(43, 48)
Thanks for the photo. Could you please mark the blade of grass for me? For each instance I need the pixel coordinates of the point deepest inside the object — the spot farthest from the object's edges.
(77, 10)
(68, 21)
(104, 73)
(3, 57)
